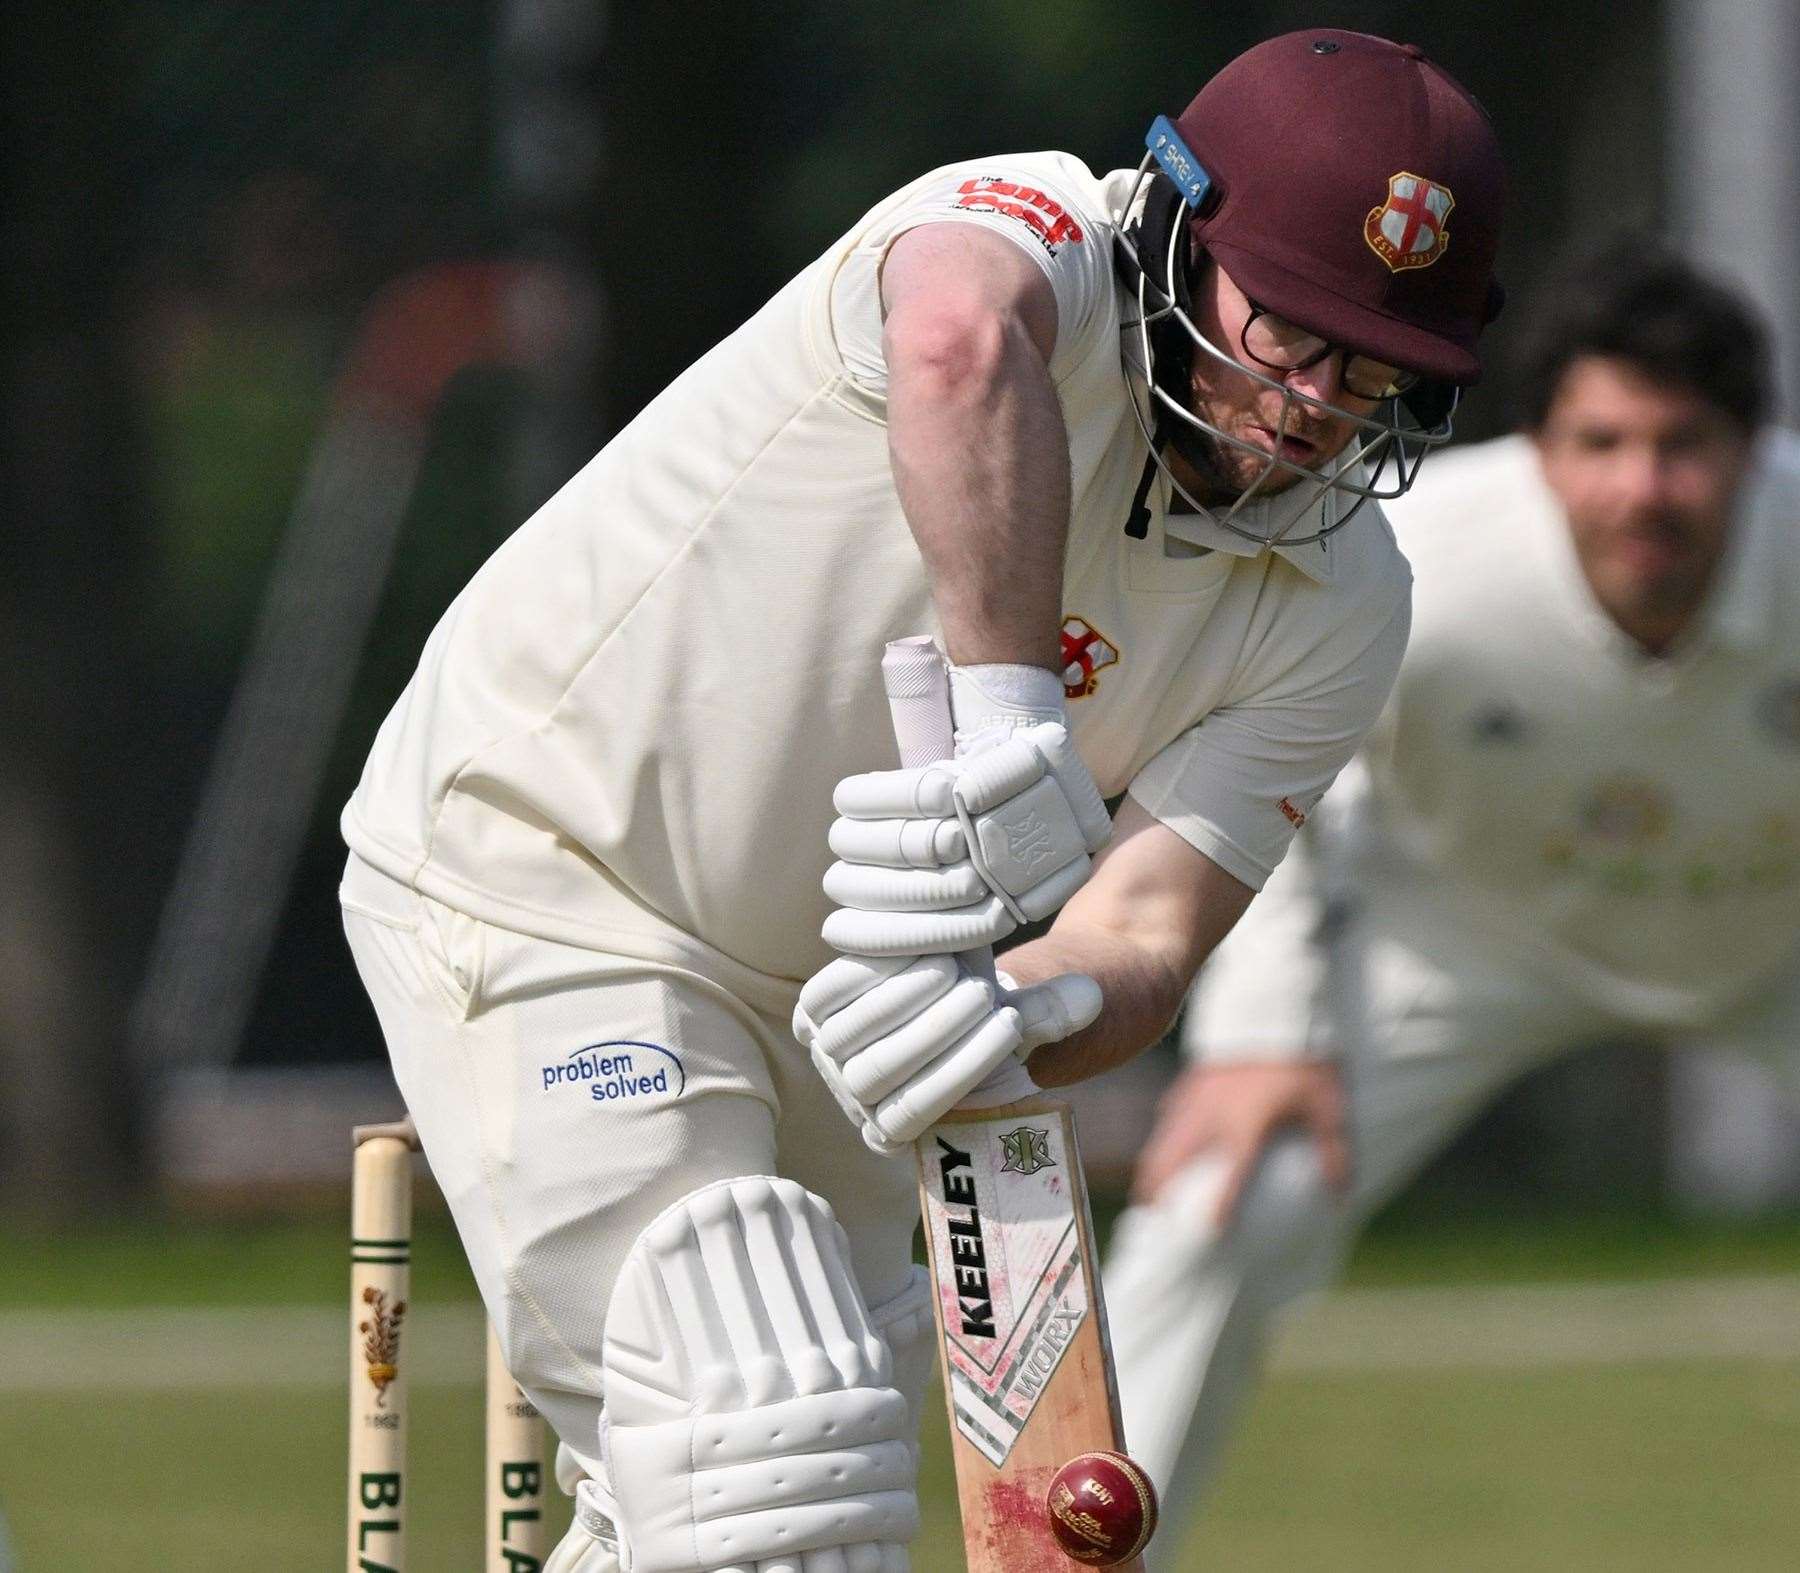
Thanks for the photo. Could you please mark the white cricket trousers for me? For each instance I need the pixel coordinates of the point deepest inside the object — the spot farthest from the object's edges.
(564, 1098)
(1423, 1047)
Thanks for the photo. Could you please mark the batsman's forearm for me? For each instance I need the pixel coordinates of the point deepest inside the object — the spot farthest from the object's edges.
(1142, 989)
(981, 463)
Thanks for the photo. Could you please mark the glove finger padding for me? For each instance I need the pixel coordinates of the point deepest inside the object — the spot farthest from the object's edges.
(1030, 817)
(893, 1059)
(899, 1042)
(874, 888)
(927, 792)
(853, 1004)
(834, 992)
(860, 933)
(838, 983)
(899, 843)
(907, 1113)
(750, 1410)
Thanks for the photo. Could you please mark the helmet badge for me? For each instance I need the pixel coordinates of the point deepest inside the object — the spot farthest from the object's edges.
(1410, 229)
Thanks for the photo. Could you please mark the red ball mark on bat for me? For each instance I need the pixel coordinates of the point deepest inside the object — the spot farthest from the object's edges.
(1013, 1527)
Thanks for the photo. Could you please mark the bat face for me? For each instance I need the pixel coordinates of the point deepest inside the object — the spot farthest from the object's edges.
(1026, 1366)
(1006, 1253)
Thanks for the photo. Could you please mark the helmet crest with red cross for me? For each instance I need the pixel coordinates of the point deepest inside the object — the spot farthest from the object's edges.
(1411, 228)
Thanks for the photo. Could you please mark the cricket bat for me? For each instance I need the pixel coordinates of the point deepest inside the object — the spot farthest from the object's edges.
(1021, 1326)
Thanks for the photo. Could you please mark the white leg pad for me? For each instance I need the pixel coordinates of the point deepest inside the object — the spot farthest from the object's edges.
(909, 1328)
(590, 1546)
(752, 1421)
(569, 1473)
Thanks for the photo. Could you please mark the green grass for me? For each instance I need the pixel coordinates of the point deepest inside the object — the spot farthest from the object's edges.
(1676, 1465)
(226, 1482)
(1666, 1467)
(1648, 1468)
(287, 1261)
(280, 1261)
(1420, 1246)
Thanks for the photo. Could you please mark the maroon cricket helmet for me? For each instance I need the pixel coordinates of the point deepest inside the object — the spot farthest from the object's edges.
(1357, 191)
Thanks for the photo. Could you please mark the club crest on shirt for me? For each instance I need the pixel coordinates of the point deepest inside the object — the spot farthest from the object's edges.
(1086, 652)
(1629, 838)
(1626, 809)
(1778, 707)
(1410, 229)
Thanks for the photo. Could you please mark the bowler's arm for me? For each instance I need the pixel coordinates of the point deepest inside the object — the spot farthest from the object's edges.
(1140, 927)
(976, 438)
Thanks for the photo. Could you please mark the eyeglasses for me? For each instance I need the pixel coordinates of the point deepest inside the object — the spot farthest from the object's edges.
(1277, 344)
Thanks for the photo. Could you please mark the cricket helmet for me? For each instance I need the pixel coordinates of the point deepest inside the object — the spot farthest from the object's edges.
(1350, 186)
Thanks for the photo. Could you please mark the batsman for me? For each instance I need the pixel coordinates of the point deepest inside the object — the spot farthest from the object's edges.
(634, 828)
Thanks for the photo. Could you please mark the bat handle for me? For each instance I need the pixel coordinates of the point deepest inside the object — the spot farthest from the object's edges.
(917, 679)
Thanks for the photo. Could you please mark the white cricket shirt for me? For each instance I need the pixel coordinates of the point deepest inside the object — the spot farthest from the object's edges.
(1543, 798)
(625, 732)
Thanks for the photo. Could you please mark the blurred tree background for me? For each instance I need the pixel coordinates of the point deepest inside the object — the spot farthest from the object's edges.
(204, 201)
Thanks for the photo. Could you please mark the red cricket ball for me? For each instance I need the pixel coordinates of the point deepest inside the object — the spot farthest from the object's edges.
(1102, 1508)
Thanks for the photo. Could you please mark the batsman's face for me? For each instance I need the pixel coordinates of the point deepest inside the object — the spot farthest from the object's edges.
(1648, 474)
(1242, 404)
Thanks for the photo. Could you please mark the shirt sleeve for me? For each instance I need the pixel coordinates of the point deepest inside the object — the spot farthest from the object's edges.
(1064, 235)
(1263, 994)
(1239, 783)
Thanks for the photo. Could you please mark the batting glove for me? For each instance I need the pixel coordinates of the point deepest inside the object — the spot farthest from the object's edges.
(958, 854)
(902, 1040)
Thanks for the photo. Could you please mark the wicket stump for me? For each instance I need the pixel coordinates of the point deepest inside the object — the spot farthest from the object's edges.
(514, 1531)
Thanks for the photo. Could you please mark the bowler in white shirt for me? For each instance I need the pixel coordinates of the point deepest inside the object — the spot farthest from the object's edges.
(1578, 819)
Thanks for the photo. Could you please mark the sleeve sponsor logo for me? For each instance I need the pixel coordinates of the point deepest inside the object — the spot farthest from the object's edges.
(1045, 218)
(1295, 815)
(619, 1071)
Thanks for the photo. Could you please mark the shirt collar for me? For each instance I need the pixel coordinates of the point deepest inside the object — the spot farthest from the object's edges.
(1316, 559)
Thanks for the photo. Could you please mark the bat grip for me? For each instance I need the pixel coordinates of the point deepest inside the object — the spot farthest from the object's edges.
(917, 679)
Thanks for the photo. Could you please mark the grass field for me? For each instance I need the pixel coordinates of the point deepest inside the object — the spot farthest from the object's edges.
(173, 1400)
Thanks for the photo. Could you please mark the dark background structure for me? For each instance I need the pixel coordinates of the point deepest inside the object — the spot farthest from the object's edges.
(224, 222)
